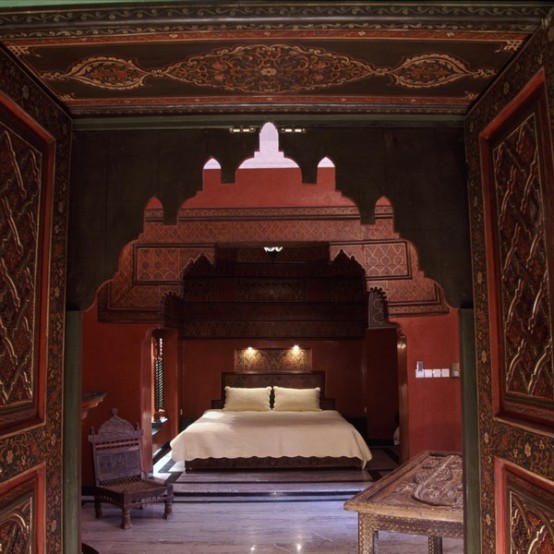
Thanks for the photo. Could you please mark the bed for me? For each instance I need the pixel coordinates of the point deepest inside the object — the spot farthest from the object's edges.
(271, 420)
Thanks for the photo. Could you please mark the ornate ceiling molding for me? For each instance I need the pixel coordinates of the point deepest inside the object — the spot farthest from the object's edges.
(217, 58)
(65, 22)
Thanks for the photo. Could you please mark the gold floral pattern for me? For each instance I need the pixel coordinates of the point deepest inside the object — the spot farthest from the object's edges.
(106, 72)
(270, 69)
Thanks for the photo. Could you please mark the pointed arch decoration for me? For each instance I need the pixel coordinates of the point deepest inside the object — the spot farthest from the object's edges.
(266, 206)
(377, 308)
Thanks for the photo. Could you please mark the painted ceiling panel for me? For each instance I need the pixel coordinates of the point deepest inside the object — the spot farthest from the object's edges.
(179, 58)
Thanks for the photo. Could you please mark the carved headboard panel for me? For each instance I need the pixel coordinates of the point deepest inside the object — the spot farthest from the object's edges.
(289, 379)
(243, 293)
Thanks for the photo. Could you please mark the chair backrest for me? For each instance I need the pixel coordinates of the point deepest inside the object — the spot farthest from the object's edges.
(116, 450)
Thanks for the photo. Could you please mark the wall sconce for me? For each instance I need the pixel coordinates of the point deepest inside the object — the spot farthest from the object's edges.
(249, 352)
(272, 251)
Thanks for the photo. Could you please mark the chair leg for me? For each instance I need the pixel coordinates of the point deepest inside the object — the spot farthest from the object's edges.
(435, 545)
(168, 511)
(126, 516)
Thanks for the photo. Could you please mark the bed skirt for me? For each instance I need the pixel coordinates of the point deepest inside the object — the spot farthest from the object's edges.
(297, 462)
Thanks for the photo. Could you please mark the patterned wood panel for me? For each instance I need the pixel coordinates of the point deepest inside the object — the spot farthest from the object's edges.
(261, 57)
(505, 278)
(273, 360)
(257, 296)
(35, 173)
(21, 516)
(518, 216)
(21, 171)
(151, 266)
(526, 511)
(269, 69)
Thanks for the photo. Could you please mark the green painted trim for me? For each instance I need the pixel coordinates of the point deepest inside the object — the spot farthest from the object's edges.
(532, 9)
(472, 498)
(76, 4)
(72, 434)
(118, 3)
(226, 121)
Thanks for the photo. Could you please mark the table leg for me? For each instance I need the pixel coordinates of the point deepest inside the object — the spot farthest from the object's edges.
(435, 545)
(367, 536)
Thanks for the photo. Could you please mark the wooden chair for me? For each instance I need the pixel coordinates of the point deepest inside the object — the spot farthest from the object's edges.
(120, 480)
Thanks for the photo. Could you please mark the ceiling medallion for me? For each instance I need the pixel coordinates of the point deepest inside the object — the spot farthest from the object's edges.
(432, 70)
(104, 72)
(270, 69)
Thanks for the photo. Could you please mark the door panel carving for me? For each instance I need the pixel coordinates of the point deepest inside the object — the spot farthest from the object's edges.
(525, 511)
(21, 513)
(21, 169)
(511, 194)
(34, 176)
(518, 189)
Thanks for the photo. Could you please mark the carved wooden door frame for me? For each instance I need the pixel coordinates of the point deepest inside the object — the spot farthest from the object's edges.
(34, 175)
(511, 193)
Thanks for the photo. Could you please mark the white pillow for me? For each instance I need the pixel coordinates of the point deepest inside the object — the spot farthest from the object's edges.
(243, 399)
(296, 400)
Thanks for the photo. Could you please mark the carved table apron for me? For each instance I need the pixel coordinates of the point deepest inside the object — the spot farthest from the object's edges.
(421, 497)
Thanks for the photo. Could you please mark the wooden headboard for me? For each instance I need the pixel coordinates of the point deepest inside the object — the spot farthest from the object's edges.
(281, 379)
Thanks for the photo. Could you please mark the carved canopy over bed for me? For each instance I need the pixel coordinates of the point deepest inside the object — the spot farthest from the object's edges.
(271, 420)
(247, 294)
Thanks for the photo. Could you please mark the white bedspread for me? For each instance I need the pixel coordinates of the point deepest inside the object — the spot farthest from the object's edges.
(227, 434)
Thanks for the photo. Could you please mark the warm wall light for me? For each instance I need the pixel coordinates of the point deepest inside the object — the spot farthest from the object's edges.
(272, 251)
(296, 349)
(250, 352)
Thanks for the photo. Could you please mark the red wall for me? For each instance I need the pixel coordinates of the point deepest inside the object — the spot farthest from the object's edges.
(381, 383)
(113, 358)
(434, 405)
(114, 354)
(205, 360)
(112, 361)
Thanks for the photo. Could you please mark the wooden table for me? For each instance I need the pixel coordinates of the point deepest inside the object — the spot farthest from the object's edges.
(421, 497)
